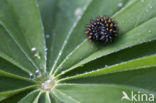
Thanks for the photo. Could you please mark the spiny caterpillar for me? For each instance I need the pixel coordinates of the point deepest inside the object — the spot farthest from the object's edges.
(103, 29)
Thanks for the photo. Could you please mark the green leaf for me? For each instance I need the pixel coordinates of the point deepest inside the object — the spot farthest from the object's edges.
(16, 86)
(15, 98)
(59, 32)
(3, 97)
(48, 14)
(78, 30)
(44, 98)
(134, 14)
(140, 78)
(47, 10)
(9, 51)
(22, 17)
(148, 61)
(64, 97)
(97, 93)
(53, 98)
(78, 54)
(46, 38)
(127, 54)
(7, 67)
(127, 40)
(31, 97)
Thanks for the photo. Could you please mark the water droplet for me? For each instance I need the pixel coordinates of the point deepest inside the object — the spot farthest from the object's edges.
(33, 49)
(38, 73)
(77, 11)
(48, 84)
(47, 36)
(46, 49)
(120, 4)
(106, 66)
(31, 76)
(59, 54)
(48, 81)
(35, 52)
(37, 55)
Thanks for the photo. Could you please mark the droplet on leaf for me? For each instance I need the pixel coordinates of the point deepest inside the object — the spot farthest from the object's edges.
(38, 73)
(77, 11)
(49, 84)
(46, 49)
(120, 4)
(47, 36)
(33, 49)
(106, 66)
(31, 76)
(35, 52)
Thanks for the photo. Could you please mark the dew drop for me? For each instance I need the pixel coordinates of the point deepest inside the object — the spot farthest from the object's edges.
(77, 11)
(49, 84)
(37, 55)
(120, 4)
(48, 81)
(47, 36)
(38, 73)
(31, 76)
(106, 66)
(59, 54)
(33, 49)
(46, 49)
(35, 52)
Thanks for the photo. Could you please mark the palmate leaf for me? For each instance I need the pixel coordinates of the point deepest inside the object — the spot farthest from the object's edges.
(127, 41)
(45, 39)
(77, 93)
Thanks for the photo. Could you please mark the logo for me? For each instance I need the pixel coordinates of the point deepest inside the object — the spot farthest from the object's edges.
(137, 96)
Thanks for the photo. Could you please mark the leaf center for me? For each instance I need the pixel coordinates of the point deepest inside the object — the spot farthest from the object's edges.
(49, 84)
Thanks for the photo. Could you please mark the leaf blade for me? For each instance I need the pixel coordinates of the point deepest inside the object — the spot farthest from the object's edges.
(108, 93)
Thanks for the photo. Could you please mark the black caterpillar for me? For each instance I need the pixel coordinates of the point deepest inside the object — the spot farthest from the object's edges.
(103, 29)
